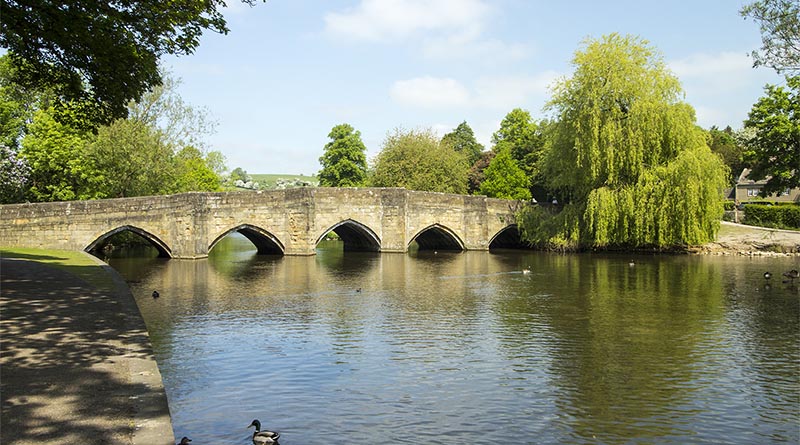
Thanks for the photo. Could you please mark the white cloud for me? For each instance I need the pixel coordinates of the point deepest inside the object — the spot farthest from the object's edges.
(430, 92)
(721, 72)
(386, 20)
(493, 93)
(444, 29)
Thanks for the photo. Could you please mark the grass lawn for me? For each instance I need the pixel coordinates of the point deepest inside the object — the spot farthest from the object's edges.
(80, 264)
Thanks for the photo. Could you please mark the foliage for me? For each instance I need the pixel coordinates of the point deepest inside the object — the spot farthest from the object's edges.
(504, 179)
(344, 163)
(778, 216)
(239, 174)
(725, 144)
(55, 154)
(462, 139)
(14, 174)
(626, 155)
(475, 176)
(132, 160)
(417, 160)
(96, 55)
(520, 134)
(779, 21)
(774, 146)
(193, 172)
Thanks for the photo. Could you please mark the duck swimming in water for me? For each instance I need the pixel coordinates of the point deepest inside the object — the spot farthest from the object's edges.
(155, 294)
(184, 441)
(791, 275)
(767, 275)
(263, 437)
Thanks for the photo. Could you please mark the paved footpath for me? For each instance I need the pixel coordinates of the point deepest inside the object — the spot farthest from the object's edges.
(76, 366)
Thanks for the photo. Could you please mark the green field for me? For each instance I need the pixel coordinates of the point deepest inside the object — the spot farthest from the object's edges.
(268, 180)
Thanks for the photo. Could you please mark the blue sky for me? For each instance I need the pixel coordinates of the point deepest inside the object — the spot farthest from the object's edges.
(289, 70)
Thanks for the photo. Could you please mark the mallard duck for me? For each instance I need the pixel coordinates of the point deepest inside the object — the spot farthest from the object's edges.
(263, 437)
(526, 271)
(791, 274)
(767, 275)
(184, 441)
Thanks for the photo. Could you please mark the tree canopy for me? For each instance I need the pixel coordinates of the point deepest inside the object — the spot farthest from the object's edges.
(95, 55)
(779, 21)
(773, 145)
(626, 156)
(344, 162)
(504, 179)
(417, 160)
(520, 134)
(462, 139)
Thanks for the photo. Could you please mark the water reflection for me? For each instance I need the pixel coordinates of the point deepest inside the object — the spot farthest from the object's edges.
(463, 347)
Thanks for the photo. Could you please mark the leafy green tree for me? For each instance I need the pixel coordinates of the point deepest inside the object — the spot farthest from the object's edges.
(193, 172)
(14, 174)
(132, 160)
(417, 160)
(344, 163)
(101, 54)
(779, 21)
(627, 156)
(239, 174)
(462, 139)
(60, 171)
(504, 179)
(520, 134)
(724, 143)
(774, 148)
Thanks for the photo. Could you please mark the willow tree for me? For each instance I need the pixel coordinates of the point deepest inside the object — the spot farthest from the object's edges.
(626, 156)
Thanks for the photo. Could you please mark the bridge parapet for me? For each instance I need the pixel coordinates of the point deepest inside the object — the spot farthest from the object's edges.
(289, 222)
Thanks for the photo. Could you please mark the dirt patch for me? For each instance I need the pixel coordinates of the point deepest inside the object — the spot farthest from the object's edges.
(740, 239)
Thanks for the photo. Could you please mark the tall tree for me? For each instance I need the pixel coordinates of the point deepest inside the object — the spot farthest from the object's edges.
(520, 134)
(774, 146)
(344, 162)
(417, 160)
(724, 143)
(627, 155)
(779, 21)
(101, 54)
(504, 179)
(462, 139)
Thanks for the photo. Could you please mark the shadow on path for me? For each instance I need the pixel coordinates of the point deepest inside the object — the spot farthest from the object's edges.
(75, 363)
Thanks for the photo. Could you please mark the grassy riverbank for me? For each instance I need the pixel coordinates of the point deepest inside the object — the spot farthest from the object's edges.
(80, 264)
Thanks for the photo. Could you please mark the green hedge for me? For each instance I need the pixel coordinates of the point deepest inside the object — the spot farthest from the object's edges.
(777, 216)
(729, 205)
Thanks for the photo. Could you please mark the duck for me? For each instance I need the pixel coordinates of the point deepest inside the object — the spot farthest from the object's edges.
(184, 441)
(767, 275)
(263, 437)
(155, 294)
(526, 271)
(791, 275)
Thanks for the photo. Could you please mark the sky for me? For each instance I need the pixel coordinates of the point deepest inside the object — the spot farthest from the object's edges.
(290, 70)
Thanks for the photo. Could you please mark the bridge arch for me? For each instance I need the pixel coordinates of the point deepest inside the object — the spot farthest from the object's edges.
(164, 250)
(355, 235)
(265, 242)
(437, 237)
(508, 238)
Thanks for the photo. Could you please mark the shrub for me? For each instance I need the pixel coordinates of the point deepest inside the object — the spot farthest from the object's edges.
(777, 216)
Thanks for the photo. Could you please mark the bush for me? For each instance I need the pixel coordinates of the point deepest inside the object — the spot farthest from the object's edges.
(778, 216)
(729, 205)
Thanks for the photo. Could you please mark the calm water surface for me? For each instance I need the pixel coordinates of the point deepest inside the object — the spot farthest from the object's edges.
(465, 348)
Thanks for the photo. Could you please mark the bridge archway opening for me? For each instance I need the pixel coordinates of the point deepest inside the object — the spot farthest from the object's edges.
(128, 238)
(356, 237)
(265, 242)
(508, 238)
(437, 237)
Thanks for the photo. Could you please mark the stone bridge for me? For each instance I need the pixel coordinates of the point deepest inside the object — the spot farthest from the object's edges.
(284, 222)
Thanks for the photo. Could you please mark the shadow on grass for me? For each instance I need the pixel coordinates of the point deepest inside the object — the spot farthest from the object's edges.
(66, 356)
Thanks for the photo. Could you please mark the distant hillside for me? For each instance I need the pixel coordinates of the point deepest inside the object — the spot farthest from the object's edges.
(269, 181)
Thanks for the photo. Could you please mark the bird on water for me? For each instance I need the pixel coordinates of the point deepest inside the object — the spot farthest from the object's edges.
(791, 275)
(184, 441)
(155, 294)
(767, 275)
(263, 437)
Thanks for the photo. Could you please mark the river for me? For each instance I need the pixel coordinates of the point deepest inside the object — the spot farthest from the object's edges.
(465, 348)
